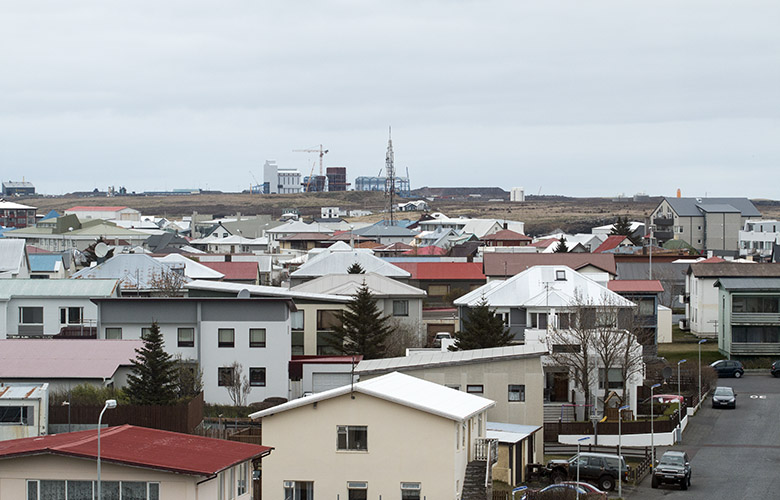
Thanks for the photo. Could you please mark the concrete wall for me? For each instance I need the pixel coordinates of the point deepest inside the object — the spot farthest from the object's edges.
(401, 444)
(702, 310)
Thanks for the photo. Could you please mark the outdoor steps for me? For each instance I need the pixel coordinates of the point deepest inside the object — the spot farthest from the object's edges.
(474, 482)
(552, 413)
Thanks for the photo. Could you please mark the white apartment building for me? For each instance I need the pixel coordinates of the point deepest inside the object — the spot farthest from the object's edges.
(281, 180)
(758, 237)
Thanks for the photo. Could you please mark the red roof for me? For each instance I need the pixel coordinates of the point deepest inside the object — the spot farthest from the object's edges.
(429, 250)
(443, 270)
(712, 260)
(648, 286)
(544, 243)
(34, 249)
(141, 447)
(394, 247)
(94, 209)
(235, 270)
(507, 235)
(613, 241)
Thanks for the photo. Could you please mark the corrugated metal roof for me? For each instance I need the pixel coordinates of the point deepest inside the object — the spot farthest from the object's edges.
(443, 270)
(349, 284)
(235, 270)
(57, 288)
(404, 390)
(9, 205)
(509, 264)
(735, 269)
(192, 269)
(21, 391)
(337, 262)
(135, 271)
(53, 359)
(141, 447)
(446, 358)
(509, 433)
(12, 253)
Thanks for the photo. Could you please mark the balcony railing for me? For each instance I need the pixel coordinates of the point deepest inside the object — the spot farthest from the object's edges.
(486, 450)
(663, 221)
(755, 348)
(755, 318)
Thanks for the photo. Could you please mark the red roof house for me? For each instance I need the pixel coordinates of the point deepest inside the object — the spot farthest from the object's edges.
(238, 272)
(612, 242)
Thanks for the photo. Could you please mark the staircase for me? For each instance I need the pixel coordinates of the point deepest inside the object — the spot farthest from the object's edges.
(474, 481)
(553, 413)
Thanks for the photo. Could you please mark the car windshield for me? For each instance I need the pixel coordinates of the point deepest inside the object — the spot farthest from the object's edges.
(716, 363)
(724, 391)
(672, 460)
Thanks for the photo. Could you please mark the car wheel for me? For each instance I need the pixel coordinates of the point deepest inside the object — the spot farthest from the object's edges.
(776, 374)
(654, 483)
(606, 483)
(557, 477)
(684, 484)
(737, 374)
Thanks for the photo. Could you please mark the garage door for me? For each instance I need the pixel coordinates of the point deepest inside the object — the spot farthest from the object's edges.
(325, 381)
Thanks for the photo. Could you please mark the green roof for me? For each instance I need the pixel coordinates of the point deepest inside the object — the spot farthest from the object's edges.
(57, 288)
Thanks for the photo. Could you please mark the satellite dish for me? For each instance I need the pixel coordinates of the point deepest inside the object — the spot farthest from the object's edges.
(101, 250)
(244, 294)
(667, 372)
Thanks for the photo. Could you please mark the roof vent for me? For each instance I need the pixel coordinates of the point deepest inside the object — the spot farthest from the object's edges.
(244, 294)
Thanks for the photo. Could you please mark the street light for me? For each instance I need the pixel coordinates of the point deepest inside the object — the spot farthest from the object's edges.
(700, 343)
(110, 405)
(579, 441)
(679, 402)
(620, 455)
(652, 419)
(678, 379)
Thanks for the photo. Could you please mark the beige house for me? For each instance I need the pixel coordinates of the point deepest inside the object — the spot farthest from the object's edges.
(140, 463)
(393, 436)
(511, 376)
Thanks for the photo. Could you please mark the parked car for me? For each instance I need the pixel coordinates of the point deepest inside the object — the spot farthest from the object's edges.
(728, 368)
(775, 369)
(569, 490)
(674, 467)
(667, 398)
(600, 468)
(439, 337)
(724, 397)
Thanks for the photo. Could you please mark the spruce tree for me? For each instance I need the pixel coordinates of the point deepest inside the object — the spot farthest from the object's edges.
(363, 329)
(152, 381)
(356, 268)
(622, 227)
(481, 329)
(562, 246)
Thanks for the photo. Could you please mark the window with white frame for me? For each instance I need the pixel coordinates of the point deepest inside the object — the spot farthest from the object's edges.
(71, 315)
(400, 308)
(243, 479)
(411, 491)
(42, 489)
(296, 320)
(352, 438)
(299, 490)
(17, 415)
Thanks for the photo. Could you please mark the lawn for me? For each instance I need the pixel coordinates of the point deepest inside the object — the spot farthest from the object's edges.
(685, 346)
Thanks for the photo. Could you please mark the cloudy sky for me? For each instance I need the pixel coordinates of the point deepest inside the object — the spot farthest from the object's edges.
(577, 98)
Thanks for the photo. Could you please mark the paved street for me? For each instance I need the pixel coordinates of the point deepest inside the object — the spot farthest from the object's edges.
(734, 453)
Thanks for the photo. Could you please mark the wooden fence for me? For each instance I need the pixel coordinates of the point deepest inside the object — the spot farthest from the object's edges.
(183, 417)
(554, 429)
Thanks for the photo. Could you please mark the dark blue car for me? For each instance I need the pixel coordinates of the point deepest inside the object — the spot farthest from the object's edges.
(728, 368)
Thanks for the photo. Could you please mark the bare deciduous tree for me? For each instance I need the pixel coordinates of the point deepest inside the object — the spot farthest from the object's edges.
(167, 283)
(404, 336)
(237, 385)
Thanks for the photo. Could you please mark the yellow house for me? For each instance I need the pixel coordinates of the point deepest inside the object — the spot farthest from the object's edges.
(141, 463)
(393, 436)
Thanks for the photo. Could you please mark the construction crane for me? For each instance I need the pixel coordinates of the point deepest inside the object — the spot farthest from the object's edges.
(311, 174)
(322, 152)
(257, 187)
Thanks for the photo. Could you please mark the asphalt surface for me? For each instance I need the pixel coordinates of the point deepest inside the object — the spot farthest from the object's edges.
(735, 454)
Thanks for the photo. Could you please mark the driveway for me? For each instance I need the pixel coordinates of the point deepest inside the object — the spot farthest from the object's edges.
(735, 454)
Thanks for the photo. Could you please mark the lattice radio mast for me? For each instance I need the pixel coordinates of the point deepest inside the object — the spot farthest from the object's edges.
(390, 173)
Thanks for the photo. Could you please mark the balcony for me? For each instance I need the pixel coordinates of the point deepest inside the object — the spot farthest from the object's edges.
(755, 319)
(664, 235)
(663, 221)
(755, 349)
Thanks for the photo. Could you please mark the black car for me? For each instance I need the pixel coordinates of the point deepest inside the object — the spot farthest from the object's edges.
(674, 467)
(724, 397)
(728, 368)
(775, 369)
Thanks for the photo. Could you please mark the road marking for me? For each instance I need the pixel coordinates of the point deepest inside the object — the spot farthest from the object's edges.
(758, 396)
(713, 445)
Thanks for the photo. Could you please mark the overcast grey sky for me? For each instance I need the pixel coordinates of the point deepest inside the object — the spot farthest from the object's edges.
(577, 98)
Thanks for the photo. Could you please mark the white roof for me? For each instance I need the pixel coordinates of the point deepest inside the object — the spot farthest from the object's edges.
(12, 255)
(230, 240)
(267, 291)
(509, 433)
(337, 262)
(403, 390)
(192, 269)
(537, 286)
(9, 205)
(297, 226)
(349, 284)
(134, 271)
(444, 358)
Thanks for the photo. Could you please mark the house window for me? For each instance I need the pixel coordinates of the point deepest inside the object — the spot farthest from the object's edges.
(400, 308)
(453, 386)
(47, 489)
(560, 275)
(538, 320)
(615, 378)
(566, 348)
(410, 491)
(71, 315)
(296, 320)
(352, 438)
(357, 490)
(327, 319)
(186, 337)
(257, 337)
(299, 490)
(225, 376)
(226, 337)
(475, 389)
(16, 415)
(145, 332)
(297, 343)
(113, 333)
(243, 475)
(257, 377)
(646, 307)
(31, 315)
(517, 393)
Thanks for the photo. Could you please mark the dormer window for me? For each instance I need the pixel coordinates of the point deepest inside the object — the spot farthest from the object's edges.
(560, 275)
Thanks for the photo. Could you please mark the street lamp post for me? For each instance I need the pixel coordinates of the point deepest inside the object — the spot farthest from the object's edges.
(700, 343)
(652, 433)
(620, 455)
(110, 405)
(679, 402)
(579, 442)
(678, 377)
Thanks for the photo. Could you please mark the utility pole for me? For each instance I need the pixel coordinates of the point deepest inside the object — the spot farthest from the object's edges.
(390, 172)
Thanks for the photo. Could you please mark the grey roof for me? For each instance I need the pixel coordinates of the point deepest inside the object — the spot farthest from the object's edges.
(349, 284)
(689, 207)
(447, 358)
(752, 284)
(716, 208)
(384, 230)
(263, 291)
(56, 288)
(661, 270)
(330, 262)
(134, 271)
(735, 269)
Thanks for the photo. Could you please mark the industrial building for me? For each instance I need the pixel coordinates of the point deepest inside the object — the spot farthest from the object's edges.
(11, 188)
(280, 180)
(337, 178)
(378, 184)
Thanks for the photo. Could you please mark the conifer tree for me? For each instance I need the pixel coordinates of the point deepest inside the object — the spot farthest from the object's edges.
(152, 381)
(363, 329)
(622, 227)
(562, 246)
(481, 329)
(356, 268)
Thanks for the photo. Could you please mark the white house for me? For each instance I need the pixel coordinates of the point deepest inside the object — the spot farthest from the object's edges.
(758, 237)
(540, 300)
(393, 436)
(338, 258)
(85, 213)
(24, 410)
(38, 308)
(13, 259)
(214, 333)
